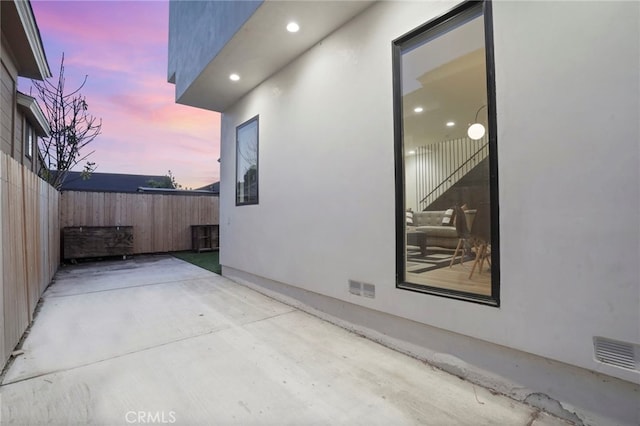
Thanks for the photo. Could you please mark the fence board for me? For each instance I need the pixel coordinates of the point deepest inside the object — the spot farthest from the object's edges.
(3, 253)
(16, 297)
(29, 247)
(161, 223)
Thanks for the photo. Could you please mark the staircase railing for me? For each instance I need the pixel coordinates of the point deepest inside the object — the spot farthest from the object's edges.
(440, 166)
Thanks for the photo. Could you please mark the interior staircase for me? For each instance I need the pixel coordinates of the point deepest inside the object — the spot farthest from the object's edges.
(439, 167)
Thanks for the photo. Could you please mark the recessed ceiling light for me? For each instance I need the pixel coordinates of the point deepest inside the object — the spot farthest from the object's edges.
(450, 123)
(292, 27)
(412, 152)
(234, 77)
(418, 109)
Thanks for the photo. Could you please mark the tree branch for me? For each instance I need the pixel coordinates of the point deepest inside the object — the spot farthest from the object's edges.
(72, 128)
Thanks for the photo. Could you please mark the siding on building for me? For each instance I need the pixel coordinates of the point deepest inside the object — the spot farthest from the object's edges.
(7, 95)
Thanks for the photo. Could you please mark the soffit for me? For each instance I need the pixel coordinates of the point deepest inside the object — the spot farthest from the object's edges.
(29, 106)
(23, 37)
(263, 46)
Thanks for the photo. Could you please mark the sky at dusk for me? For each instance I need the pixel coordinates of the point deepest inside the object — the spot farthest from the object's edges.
(122, 47)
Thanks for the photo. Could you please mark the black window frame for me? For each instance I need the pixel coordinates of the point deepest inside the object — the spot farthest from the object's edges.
(431, 29)
(250, 121)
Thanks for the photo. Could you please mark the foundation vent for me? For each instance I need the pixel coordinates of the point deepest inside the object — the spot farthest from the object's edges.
(355, 287)
(619, 354)
(362, 289)
(369, 290)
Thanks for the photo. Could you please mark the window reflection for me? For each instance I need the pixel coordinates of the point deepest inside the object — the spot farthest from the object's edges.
(247, 162)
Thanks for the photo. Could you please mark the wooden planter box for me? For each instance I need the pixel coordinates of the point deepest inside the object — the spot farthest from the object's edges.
(204, 237)
(97, 241)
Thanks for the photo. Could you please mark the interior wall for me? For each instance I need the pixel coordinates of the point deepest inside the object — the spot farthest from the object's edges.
(439, 167)
(567, 106)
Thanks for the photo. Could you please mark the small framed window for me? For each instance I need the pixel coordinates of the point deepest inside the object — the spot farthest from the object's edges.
(446, 157)
(247, 162)
(28, 140)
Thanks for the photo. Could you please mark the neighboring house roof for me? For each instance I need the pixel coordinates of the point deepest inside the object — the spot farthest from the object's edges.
(21, 31)
(214, 187)
(106, 182)
(29, 106)
(169, 191)
(115, 182)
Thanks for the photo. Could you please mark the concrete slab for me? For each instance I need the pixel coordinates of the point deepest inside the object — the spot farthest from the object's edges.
(109, 275)
(154, 340)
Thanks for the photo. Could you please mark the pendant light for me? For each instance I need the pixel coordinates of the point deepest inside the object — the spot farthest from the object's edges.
(476, 130)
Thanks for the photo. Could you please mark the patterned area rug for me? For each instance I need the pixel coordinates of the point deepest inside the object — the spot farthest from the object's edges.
(435, 259)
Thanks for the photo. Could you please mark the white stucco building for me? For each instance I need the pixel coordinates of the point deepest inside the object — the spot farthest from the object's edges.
(323, 150)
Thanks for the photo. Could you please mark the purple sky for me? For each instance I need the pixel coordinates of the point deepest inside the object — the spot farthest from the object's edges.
(122, 47)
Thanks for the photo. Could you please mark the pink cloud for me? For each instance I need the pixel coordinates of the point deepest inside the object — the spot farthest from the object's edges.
(122, 46)
(92, 21)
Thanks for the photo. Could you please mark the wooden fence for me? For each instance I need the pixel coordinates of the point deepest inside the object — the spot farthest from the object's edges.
(161, 223)
(32, 214)
(29, 247)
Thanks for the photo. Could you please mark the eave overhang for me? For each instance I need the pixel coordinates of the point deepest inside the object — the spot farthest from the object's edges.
(261, 47)
(23, 37)
(29, 106)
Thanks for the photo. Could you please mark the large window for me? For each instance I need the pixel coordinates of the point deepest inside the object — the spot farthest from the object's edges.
(247, 162)
(446, 163)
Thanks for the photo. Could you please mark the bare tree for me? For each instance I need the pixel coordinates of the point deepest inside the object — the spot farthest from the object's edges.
(72, 129)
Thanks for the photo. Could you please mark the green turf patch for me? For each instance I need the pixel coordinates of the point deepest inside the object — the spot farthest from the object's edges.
(209, 260)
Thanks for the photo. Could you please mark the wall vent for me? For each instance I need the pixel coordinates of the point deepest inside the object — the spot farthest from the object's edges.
(362, 289)
(355, 287)
(369, 290)
(619, 354)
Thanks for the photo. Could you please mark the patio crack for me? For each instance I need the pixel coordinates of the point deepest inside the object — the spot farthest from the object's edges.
(159, 345)
(122, 288)
(268, 318)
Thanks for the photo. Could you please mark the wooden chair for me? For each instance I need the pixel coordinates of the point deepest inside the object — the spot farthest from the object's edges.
(460, 221)
(480, 237)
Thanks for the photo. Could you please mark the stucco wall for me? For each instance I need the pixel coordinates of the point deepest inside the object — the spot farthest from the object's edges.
(212, 24)
(567, 104)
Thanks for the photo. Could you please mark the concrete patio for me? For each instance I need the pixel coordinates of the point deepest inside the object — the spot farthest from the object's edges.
(157, 340)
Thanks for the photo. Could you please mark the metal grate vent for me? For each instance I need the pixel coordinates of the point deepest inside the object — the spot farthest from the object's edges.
(619, 354)
(362, 289)
(369, 290)
(355, 287)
